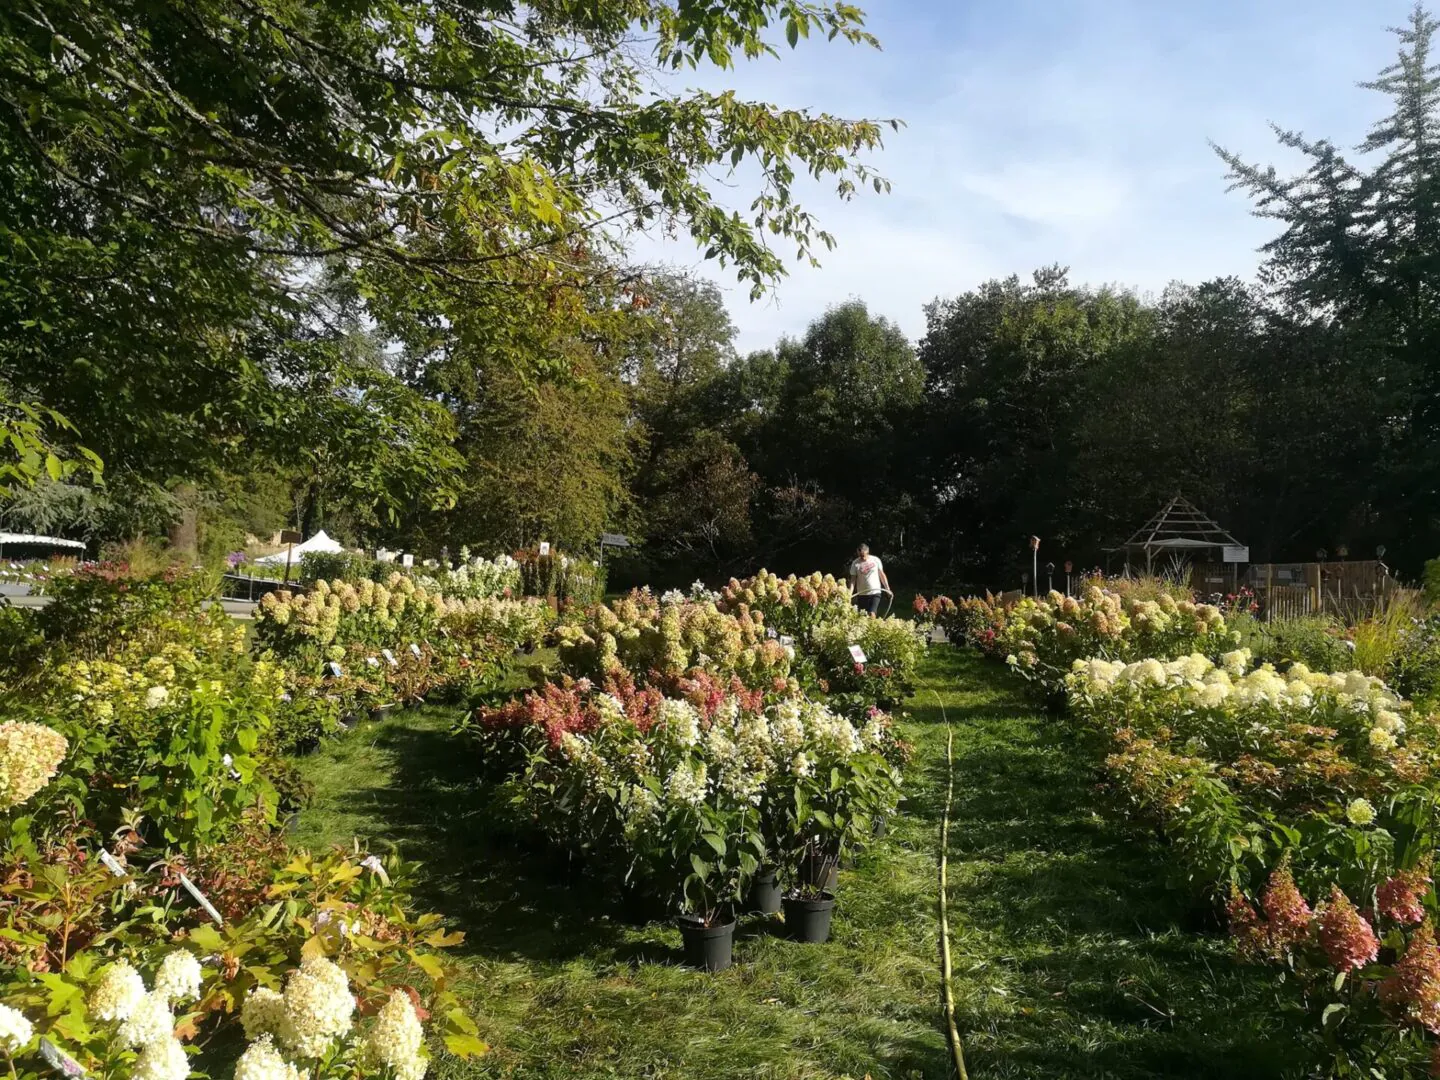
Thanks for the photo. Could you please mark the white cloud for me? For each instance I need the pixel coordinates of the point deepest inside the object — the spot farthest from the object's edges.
(1070, 131)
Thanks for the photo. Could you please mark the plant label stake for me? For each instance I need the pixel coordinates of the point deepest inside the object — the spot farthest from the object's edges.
(544, 548)
(415, 650)
(389, 657)
(111, 863)
(857, 654)
(200, 899)
(334, 669)
(58, 1060)
(372, 662)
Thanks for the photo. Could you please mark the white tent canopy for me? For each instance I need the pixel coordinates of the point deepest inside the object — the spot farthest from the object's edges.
(46, 541)
(318, 542)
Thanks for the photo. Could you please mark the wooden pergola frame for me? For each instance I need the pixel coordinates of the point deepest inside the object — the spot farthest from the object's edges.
(1178, 526)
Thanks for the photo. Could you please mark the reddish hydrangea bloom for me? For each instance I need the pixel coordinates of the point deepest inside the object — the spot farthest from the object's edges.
(556, 708)
(1345, 936)
(1287, 915)
(1414, 990)
(1245, 925)
(1400, 896)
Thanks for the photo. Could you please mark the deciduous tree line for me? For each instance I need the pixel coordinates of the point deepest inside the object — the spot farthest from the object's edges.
(286, 263)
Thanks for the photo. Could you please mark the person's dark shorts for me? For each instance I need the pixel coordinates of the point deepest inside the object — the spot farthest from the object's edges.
(869, 603)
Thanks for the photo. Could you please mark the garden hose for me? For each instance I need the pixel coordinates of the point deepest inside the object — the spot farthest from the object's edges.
(889, 604)
(956, 1047)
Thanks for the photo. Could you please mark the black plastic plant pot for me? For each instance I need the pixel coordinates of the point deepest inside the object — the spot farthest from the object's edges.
(707, 947)
(381, 712)
(820, 872)
(349, 720)
(809, 920)
(765, 892)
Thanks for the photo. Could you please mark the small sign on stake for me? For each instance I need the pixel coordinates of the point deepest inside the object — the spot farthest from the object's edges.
(415, 650)
(111, 863)
(335, 669)
(857, 654)
(407, 560)
(200, 899)
(544, 548)
(389, 657)
(372, 662)
(58, 1060)
(1235, 553)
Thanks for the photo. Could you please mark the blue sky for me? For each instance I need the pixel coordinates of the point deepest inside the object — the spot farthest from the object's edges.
(1056, 131)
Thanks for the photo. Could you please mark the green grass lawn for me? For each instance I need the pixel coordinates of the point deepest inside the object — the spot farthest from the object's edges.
(1071, 958)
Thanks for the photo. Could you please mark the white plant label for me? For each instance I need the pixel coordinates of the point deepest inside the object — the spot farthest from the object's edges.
(544, 548)
(389, 657)
(200, 899)
(857, 654)
(111, 863)
(407, 560)
(786, 640)
(372, 662)
(59, 1060)
(415, 650)
(334, 669)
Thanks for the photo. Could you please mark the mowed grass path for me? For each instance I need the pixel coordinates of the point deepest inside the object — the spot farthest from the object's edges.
(1071, 959)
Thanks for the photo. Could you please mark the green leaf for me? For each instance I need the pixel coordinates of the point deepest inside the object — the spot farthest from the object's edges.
(465, 1046)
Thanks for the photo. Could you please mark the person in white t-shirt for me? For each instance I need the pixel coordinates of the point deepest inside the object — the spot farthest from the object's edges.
(867, 580)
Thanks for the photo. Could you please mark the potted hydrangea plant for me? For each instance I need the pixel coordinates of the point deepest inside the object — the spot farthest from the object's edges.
(717, 847)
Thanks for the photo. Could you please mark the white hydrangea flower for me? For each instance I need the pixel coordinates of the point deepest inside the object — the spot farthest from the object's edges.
(681, 721)
(787, 733)
(1360, 812)
(262, 1012)
(318, 1007)
(1381, 740)
(261, 1061)
(15, 1030)
(149, 1021)
(687, 784)
(801, 765)
(179, 977)
(672, 596)
(1389, 720)
(397, 1039)
(718, 744)
(1236, 661)
(156, 696)
(162, 1059)
(118, 992)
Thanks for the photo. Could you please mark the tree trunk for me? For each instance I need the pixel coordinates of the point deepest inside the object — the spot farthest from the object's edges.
(184, 533)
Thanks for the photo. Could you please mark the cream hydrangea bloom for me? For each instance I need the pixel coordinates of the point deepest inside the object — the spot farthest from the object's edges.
(1360, 812)
(1381, 740)
(149, 1021)
(162, 1059)
(318, 1007)
(118, 992)
(261, 1061)
(262, 1012)
(397, 1039)
(179, 977)
(30, 755)
(15, 1030)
